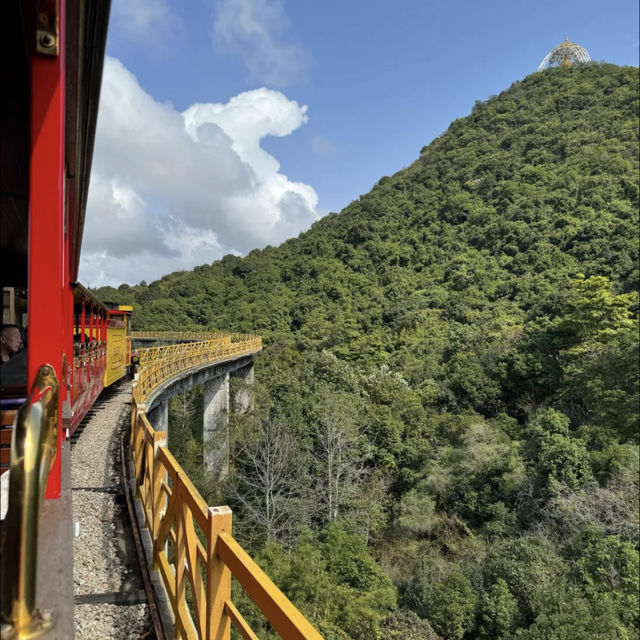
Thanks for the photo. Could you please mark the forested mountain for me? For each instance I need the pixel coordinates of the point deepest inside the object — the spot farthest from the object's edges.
(450, 375)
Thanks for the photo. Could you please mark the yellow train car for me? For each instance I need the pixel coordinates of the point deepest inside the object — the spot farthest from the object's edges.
(118, 343)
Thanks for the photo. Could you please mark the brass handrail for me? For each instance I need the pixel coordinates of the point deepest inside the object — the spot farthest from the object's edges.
(33, 450)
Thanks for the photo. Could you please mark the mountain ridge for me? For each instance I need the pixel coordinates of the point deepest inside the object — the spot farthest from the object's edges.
(469, 330)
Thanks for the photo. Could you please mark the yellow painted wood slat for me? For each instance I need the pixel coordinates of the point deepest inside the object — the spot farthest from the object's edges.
(193, 500)
(184, 623)
(166, 491)
(202, 554)
(218, 575)
(160, 506)
(134, 419)
(239, 622)
(277, 608)
(147, 428)
(146, 489)
(181, 554)
(140, 463)
(168, 577)
(171, 465)
(189, 493)
(165, 527)
(194, 573)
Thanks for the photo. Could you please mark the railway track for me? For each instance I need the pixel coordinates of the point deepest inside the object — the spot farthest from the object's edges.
(110, 600)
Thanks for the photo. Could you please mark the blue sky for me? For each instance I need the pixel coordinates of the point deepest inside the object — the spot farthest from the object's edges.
(379, 80)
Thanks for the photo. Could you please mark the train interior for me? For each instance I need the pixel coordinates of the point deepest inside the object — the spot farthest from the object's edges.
(14, 205)
(14, 208)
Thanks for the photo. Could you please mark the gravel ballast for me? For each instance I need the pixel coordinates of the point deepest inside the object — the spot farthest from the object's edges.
(104, 551)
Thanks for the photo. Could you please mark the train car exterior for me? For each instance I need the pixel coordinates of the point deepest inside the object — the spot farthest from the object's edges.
(118, 344)
(90, 338)
(54, 51)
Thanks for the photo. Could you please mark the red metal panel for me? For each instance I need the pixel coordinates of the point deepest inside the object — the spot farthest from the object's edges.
(46, 224)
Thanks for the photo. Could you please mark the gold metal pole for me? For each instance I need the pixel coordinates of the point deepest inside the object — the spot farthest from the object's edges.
(33, 450)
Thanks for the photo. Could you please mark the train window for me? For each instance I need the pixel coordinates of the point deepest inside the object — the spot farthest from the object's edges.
(14, 307)
(14, 311)
(13, 372)
(116, 322)
(15, 136)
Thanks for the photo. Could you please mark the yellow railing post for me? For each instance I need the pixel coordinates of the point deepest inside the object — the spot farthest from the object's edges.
(159, 476)
(180, 583)
(218, 576)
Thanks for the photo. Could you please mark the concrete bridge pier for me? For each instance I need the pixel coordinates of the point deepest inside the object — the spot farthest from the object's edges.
(159, 416)
(216, 426)
(242, 400)
(215, 429)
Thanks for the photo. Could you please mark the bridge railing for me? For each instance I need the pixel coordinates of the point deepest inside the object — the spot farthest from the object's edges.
(162, 363)
(168, 336)
(193, 548)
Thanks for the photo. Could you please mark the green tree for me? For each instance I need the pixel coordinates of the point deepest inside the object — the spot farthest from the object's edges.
(558, 456)
(530, 567)
(499, 614)
(606, 569)
(450, 606)
(404, 624)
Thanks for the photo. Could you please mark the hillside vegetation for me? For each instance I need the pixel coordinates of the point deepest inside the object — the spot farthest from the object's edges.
(447, 401)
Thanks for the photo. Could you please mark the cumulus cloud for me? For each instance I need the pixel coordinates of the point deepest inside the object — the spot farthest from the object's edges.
(170, 190)
(257, 31)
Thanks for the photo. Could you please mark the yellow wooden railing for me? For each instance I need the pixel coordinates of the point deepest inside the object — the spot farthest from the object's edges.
(168, 336)
(162, 363)
(192, 544)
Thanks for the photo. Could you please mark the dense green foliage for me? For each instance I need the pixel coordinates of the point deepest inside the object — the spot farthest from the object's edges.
(450, 372)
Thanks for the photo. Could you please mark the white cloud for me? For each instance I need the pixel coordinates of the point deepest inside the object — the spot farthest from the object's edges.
(151, 21)
(257, 31)
(170, 190)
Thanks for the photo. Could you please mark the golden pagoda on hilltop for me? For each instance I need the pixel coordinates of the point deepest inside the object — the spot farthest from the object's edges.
(564, 55)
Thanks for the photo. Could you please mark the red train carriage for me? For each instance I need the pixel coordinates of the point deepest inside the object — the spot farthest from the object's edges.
(53, 52)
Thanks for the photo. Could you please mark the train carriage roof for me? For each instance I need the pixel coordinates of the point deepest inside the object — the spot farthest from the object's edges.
(82, 294)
